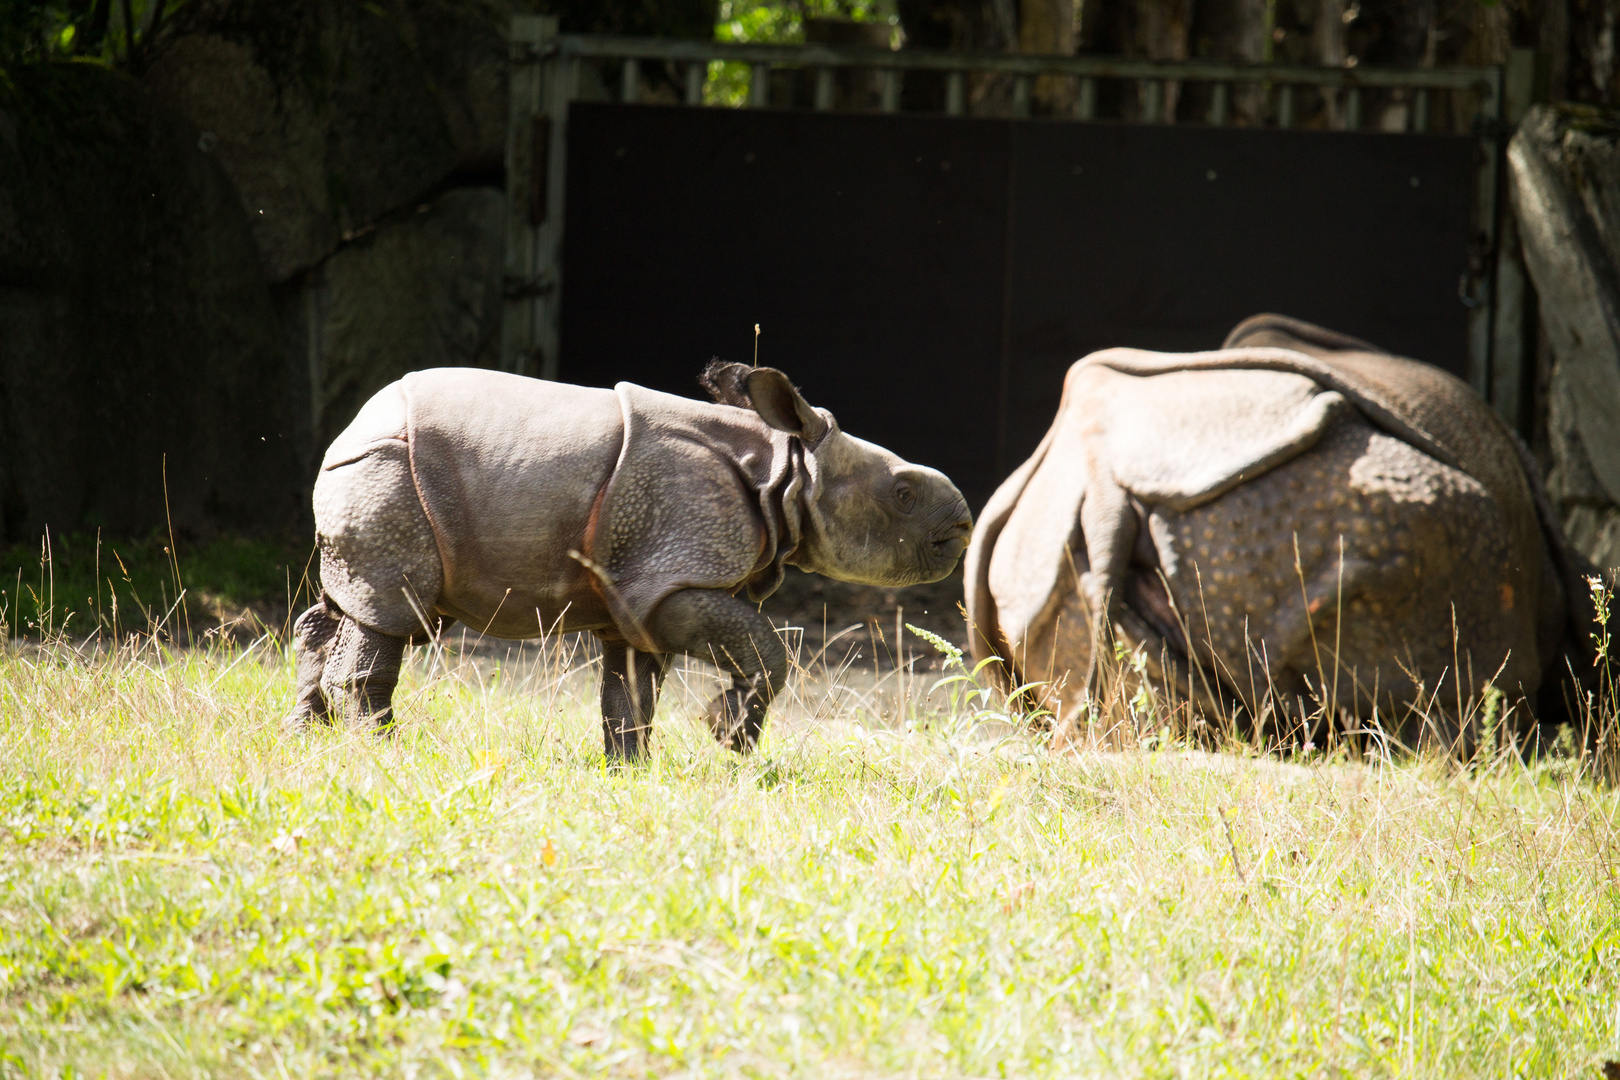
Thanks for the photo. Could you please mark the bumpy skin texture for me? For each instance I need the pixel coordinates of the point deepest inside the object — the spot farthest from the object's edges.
(1294, 520)
(736, 638)
(312, 638)
(361, 671)
(630, 683)
(524, 507)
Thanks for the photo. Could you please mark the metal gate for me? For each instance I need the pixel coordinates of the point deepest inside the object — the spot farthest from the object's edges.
(978, 255)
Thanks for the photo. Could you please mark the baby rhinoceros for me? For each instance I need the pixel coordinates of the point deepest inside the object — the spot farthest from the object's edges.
(523, 507)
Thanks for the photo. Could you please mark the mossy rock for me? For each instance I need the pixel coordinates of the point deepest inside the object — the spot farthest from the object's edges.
(420, 290)
(323, 115)
(142, 376)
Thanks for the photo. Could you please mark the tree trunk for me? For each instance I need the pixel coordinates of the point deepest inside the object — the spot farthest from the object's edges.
(1327, 35)
(1156, 29)
(1229, 30)
(1592, 47)
(1047, 27)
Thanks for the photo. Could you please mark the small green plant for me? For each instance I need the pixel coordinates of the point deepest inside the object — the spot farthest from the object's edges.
(971, 699)
(1143, 704)
(1490, 724)
(1603, 703)
(1601, 595)
(35, 30)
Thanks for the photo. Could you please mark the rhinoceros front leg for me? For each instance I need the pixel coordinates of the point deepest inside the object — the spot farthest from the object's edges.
(630, 682)
(716, 626)
(361, 671)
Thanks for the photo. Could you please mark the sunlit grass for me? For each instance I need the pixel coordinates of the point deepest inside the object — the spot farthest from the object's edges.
(883, 889)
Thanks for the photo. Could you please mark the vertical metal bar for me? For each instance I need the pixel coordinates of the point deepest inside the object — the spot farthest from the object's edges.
(759, 85)
(1420, 111)
(527, 177)
(1518, 84)
(1152, 91)
(1477, 287)
(1352, 109)
(1285, 106)
(562, 78)
(1085, 105)
(630, 81)
(1020, 101)
(891, 90)
(824, 89)
(697, 73)
(1512, 349)
(1219, 100)
(955, 94)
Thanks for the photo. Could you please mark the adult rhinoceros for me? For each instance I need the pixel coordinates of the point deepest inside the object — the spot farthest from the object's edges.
(1307, 517)
(523, 507)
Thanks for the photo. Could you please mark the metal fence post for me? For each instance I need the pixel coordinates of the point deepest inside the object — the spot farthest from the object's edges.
(1085, 102)
(528, 165)
(1511, 345)
(1477, 286)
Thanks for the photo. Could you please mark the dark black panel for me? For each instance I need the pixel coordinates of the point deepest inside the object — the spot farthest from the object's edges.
(1165, 238)
(870, 248)
(877, 253)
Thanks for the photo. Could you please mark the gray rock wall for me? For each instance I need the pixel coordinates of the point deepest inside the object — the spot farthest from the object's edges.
(1565, 176)
(420, 291)
(209, 265)
(137, 334)
(367, 141)
(329, 116)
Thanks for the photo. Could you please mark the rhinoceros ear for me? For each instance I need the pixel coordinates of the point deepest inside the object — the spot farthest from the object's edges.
(782, 406)
(724, 382)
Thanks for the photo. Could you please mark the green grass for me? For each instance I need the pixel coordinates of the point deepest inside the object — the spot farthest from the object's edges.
(184, 891)
(76, 585)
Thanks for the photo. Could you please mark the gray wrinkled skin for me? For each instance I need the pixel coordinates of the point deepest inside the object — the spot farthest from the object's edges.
(1296, 520)
(525, 508)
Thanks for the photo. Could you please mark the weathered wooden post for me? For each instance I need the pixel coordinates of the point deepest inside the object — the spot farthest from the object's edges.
(534, 197)
(1512, 345)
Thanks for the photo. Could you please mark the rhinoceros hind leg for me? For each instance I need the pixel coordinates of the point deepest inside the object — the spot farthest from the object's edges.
(630, 683)
(362, 669)
(716, 626)
(312, 639)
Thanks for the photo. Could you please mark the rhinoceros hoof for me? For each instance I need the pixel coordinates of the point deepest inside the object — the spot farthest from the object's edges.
(625, 743)
(302, 718)
(736, 717)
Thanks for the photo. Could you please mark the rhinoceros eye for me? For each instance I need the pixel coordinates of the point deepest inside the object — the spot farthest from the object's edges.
(905, 497)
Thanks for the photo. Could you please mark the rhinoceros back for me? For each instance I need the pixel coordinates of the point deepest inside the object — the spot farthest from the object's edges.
(462, 491)
(509, 470)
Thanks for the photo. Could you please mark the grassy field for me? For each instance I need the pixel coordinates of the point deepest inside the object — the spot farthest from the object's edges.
(888, 887)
